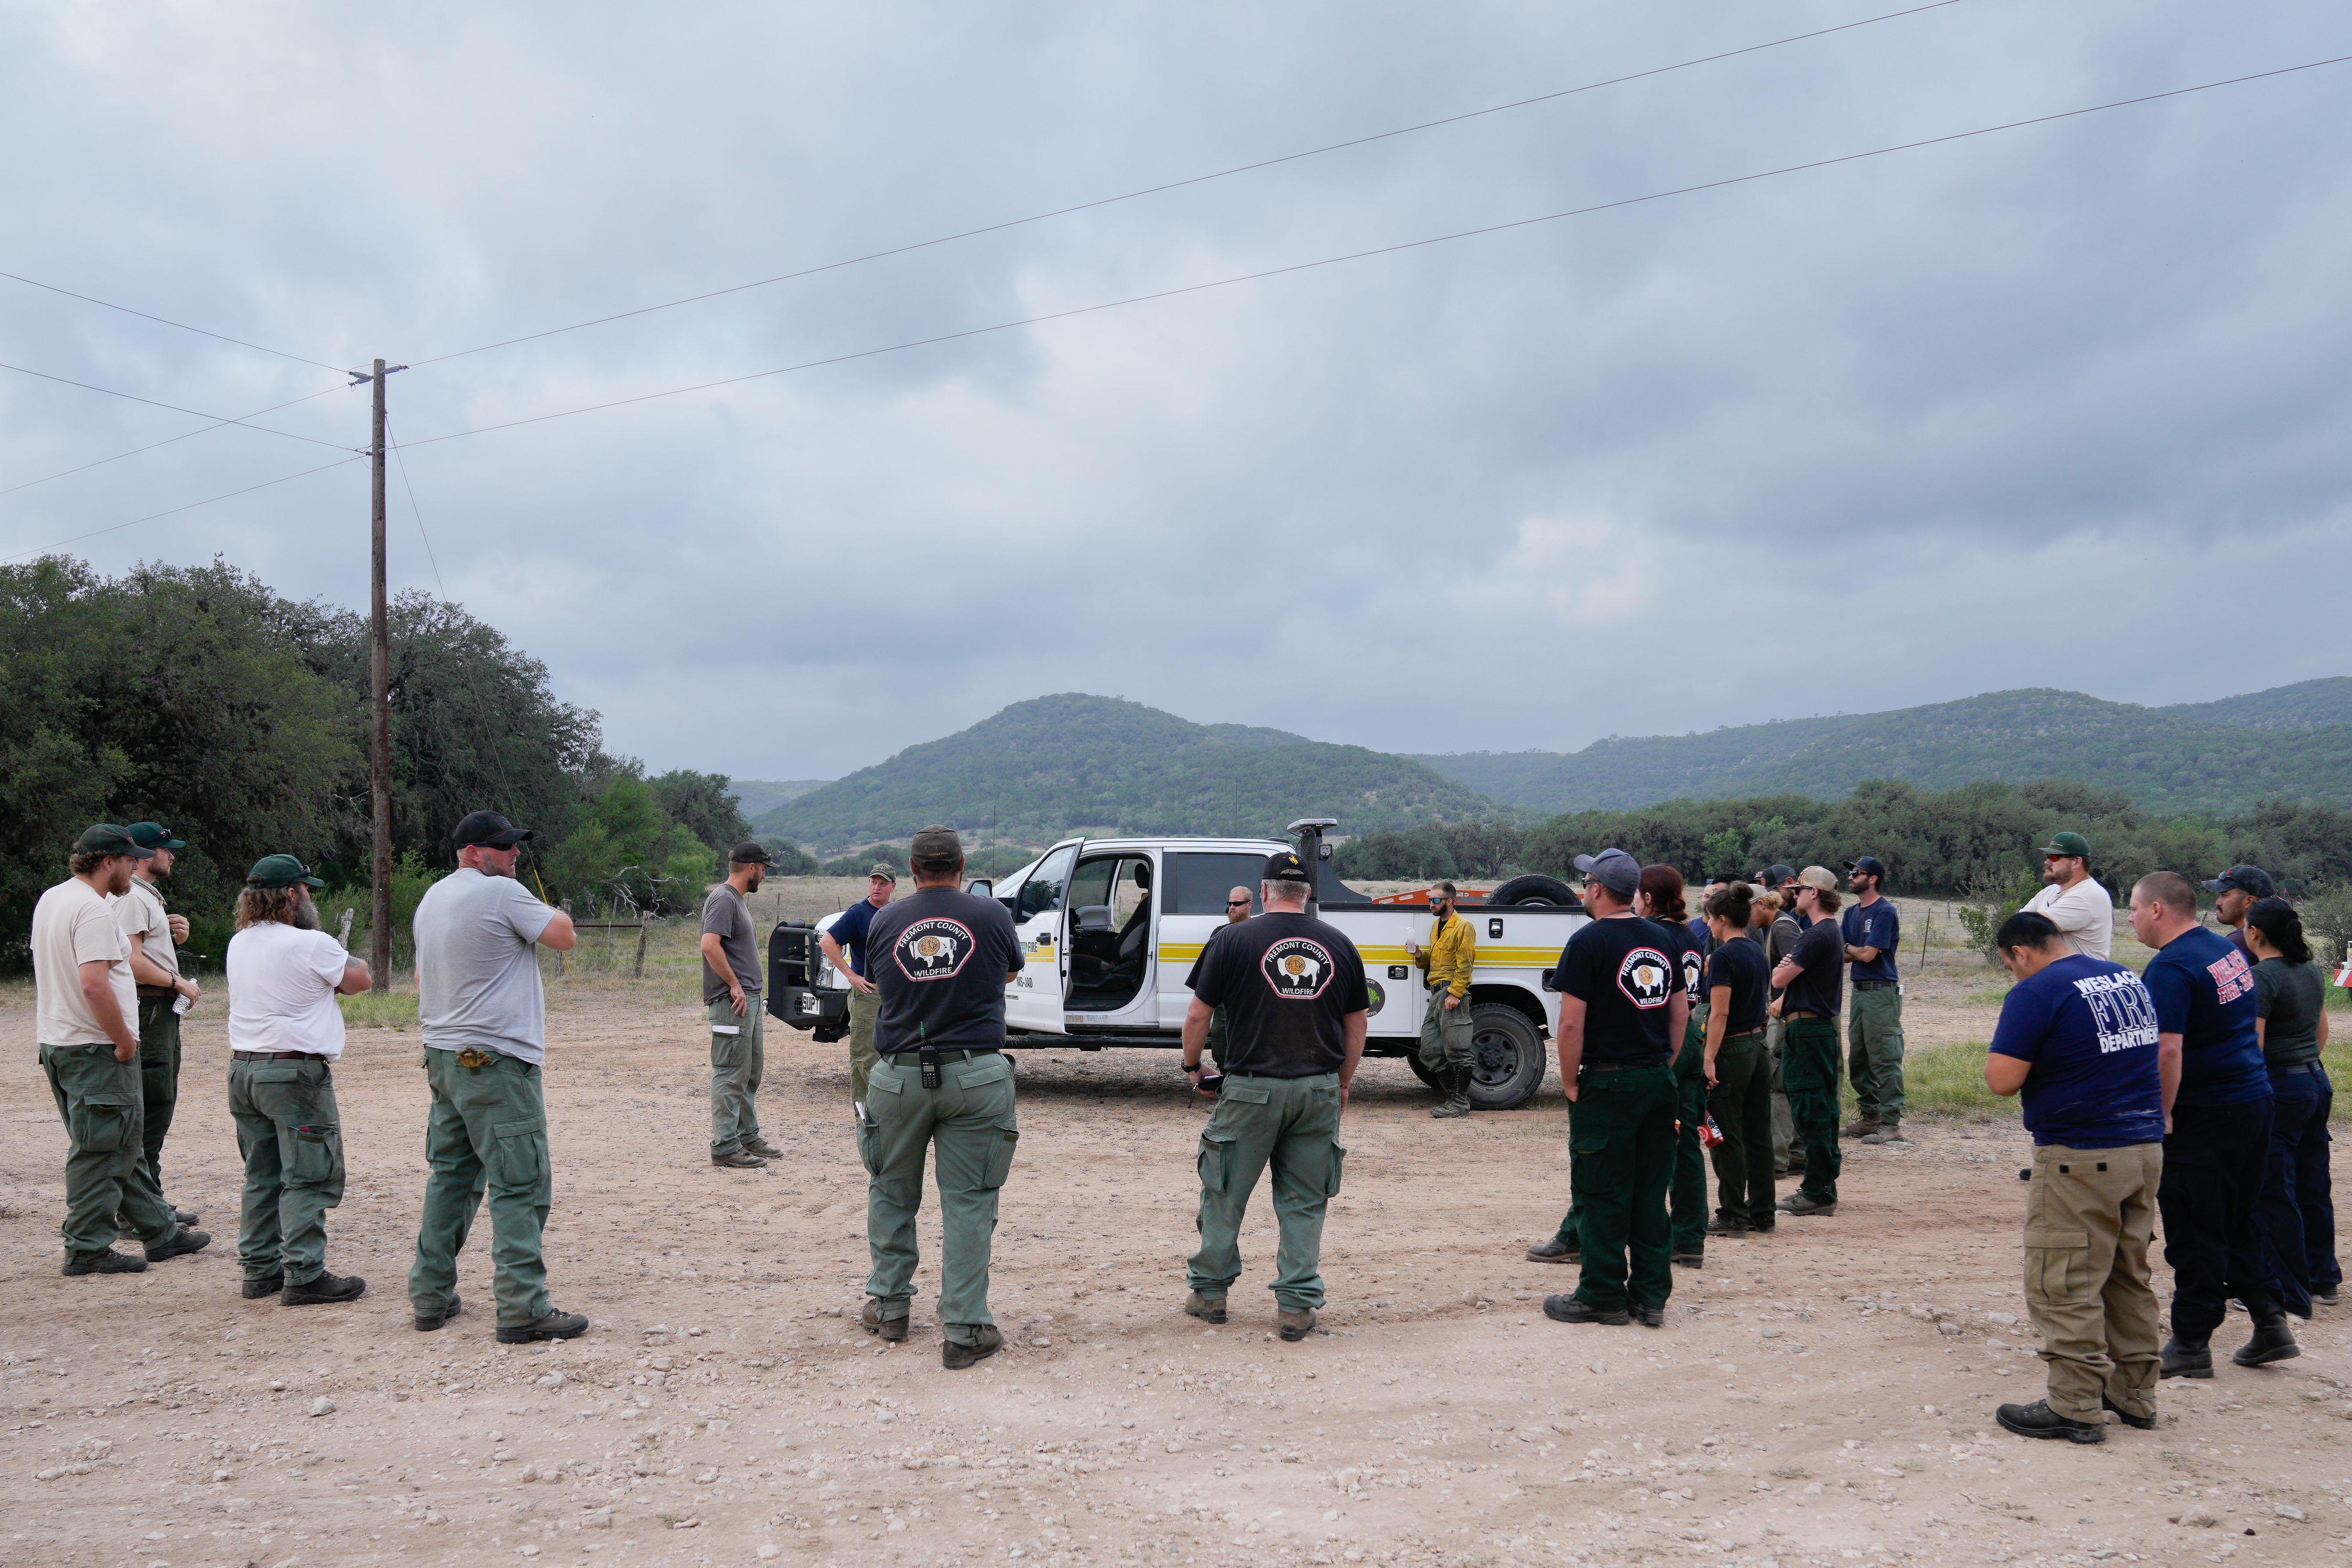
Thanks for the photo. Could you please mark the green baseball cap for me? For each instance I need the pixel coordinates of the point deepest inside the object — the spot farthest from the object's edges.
(280, 871)
(2068, 844)
(109, 839)
(155, 836)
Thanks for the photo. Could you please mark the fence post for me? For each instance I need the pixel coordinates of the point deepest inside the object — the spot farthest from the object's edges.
(637, 970)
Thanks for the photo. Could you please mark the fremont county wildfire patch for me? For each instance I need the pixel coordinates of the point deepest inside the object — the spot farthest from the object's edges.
(1297, 968)
(932, 949)
(1645, 977)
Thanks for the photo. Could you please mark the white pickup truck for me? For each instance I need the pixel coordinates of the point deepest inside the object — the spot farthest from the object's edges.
(1110, 928)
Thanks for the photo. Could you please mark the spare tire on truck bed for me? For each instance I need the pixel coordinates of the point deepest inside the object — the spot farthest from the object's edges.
(1535, 891)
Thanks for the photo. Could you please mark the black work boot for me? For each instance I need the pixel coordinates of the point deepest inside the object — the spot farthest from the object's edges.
(2136, 1423)
(2182, 1359)
(556, 1324)
(107, 1262)
(266, 1285)
(1554, 1251)
(430, 1323)
(325, 1290)
(181, 1243)
(2273, 1341)
(1457, 1094)
(956, 1357)
(2038, 1420)
(1577, 1310)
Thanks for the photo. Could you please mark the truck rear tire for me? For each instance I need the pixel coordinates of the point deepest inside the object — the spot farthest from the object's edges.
(1507, 1057)
(1534, 893)
(1422, 1070)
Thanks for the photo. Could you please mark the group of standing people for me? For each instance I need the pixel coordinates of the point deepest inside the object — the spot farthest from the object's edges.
(106, 951)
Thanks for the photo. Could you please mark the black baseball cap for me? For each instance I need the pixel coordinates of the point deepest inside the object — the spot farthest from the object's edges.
(1870, 866)
(1779, 876)
(1286, 866)
(2251, 879)
(111, 839)
(749, 852)
(487, 828)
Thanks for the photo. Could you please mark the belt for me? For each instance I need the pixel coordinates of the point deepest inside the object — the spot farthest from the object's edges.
(2296, 1067)
(1787, 1015)
(948, 1055)
(279, 1056)
(1618, 1066)
(1874, 984)
(154, 993)
(1742, 1034)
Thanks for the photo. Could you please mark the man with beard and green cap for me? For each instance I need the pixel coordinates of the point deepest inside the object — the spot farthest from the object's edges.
(164, 993)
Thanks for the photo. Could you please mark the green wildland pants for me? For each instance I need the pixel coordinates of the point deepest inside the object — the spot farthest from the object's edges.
(739, 1059)
(291, 1136)
(1290, 1125)
(1785, 1152)
(862, 1007)
(1742, 1104)
(105, 1177)
(1444, 1035)
(1809, 1064)
(1874, 1033)
(1686, 1200)
(487, 1130)
(159, 1077)
(970, 1119)
(1620, 1153)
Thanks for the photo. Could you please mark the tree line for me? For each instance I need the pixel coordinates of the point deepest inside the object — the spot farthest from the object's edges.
(198, 698)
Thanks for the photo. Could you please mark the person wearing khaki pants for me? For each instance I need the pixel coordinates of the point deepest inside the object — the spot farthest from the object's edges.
(2078, 1042)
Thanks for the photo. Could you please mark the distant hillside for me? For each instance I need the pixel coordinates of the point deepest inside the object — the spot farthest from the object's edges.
(759, 796)
(1053, 765)
(2292, 743)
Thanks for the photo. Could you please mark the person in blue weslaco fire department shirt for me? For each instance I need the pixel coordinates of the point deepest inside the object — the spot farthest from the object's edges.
(1874, 1030)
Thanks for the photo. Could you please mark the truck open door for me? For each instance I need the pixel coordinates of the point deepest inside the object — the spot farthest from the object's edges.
(1040, 907)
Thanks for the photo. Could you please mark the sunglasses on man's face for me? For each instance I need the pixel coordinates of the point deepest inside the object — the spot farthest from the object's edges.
(1238, 904)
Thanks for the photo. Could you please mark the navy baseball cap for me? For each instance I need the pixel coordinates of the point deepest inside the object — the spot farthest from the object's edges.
(2251, 879)
(488, 827)
(1286, 867)
(1869, 865)
(1779, 876)
(1613, 869)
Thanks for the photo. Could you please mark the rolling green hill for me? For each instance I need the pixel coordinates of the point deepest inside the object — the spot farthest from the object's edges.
(1053, 765)
(757, 797)
(2289, 743)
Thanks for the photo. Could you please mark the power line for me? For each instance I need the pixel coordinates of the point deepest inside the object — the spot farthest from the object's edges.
(394, 442)
(1192, 180)
(175, 408)
(191, 506)
(222, 425)
(1388, 249)
(182, 326)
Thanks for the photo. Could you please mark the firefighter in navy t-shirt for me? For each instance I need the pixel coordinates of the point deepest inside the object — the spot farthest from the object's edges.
(2217, 1143)
(1622, 1006)
(2078, 1041)
(1295, 1007)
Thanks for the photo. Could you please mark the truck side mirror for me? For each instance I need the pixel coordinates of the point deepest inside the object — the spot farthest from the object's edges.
(979, 887)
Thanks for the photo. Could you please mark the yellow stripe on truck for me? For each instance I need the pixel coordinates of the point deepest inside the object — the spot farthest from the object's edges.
(1490, 956)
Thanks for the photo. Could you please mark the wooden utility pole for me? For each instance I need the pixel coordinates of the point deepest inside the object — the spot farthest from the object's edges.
(379, 700)
(379, 711)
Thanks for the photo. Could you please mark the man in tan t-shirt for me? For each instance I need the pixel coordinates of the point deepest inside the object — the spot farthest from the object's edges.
(155, 934)
(2084, 912)
(83, 1002)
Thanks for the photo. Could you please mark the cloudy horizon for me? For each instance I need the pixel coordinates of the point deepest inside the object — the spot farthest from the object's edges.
(2061, 407)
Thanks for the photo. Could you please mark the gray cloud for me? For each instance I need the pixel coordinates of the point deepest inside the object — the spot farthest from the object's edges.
(2048, 408)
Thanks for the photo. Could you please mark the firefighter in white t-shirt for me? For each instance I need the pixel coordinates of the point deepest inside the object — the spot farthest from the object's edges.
(2084, 912)
(285, 1034)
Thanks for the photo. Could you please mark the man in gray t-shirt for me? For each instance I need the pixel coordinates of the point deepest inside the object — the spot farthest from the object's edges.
(730, 990)
(484, 1021)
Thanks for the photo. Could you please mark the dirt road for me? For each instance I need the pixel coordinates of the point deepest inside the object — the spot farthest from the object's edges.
(1822, 1395)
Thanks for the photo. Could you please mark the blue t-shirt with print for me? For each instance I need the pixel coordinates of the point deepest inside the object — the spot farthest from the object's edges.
(1877, 926)
(2089, 1029)
(2204, 992)
(850, 930)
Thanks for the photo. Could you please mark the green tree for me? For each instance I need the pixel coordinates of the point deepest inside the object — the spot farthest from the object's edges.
(703, 805)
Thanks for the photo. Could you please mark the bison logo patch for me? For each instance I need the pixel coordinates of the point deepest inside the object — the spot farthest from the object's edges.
(932, 949)
(1297, 968)
(1647, 977)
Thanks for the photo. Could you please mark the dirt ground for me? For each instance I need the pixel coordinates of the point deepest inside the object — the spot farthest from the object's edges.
(1821, 1396)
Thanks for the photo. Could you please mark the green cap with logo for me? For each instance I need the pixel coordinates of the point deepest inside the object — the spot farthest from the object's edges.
(280, 871)
(111, 839)
(155, 836)
(2068, 844)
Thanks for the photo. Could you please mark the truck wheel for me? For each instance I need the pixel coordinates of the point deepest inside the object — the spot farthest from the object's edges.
(1507, 1057)
(1534, 893)
(1422, 1070)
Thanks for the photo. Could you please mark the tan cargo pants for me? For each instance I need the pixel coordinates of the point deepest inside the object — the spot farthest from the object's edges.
(2089, 1216)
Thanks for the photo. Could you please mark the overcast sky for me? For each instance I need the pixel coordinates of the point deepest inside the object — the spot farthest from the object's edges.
(2062, 406)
